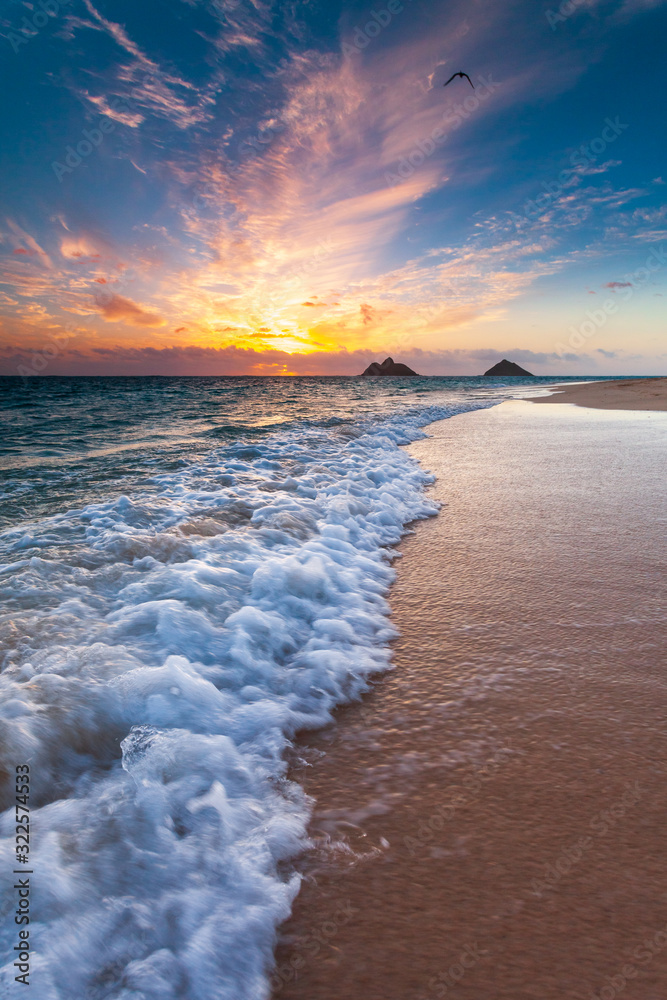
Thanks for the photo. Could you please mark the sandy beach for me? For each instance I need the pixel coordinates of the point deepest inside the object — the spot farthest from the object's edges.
(489, 822)
(332, 645)
(625, 394)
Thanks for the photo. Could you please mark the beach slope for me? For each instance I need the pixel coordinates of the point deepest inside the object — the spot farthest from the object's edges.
(489, 823)
(624, 394)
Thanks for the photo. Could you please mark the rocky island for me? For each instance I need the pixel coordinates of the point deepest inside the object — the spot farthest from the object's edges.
(506, 367)
(388, 367)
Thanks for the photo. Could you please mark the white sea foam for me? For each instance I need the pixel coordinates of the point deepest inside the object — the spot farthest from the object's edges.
(167, 646)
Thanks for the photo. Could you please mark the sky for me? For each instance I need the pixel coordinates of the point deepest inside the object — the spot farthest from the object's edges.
(211, 187)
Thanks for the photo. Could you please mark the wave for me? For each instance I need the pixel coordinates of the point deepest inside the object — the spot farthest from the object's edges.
(165, 648)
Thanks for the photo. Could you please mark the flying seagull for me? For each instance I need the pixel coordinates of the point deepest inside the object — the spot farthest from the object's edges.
(461, 75)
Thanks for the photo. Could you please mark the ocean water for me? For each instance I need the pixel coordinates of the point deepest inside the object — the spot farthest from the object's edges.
(191, 571)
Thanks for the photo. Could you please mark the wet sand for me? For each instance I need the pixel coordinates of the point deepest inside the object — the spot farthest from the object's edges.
(489, 822)
(628, 394)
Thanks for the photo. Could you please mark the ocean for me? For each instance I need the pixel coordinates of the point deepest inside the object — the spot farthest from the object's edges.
(192, 570)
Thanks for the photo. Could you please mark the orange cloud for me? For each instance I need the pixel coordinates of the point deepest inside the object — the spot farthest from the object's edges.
(30, 247)
(115, 308)
(81, 248)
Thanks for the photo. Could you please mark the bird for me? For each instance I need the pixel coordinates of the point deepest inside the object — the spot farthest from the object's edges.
(461, 75)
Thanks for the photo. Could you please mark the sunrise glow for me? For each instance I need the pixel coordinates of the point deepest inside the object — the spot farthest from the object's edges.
(298, 190)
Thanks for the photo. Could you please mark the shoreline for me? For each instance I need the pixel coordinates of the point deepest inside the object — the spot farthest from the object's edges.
(487, 820)
(625, 394)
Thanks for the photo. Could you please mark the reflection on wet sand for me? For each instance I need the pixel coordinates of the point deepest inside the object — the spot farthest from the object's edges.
(500, 795)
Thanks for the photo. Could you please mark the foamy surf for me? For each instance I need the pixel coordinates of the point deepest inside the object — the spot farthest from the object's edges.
(166, 647)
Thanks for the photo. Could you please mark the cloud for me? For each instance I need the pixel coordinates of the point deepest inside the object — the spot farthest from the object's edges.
(276, 219)
(141, 87)
(197, 360)
(591, 169)
(27, 245)
(115, 308)
(631, 7)
(367, 312)
(618, 284)
(81, 249)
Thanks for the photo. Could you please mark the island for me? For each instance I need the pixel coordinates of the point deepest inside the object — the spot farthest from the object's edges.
(506, 367)
(388, 367)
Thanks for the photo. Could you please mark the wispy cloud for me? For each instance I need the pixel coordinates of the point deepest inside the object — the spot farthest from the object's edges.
(247, 183)
(25, 245)
(143, 86)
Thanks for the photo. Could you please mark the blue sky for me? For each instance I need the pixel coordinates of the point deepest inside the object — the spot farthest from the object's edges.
(232, 186)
